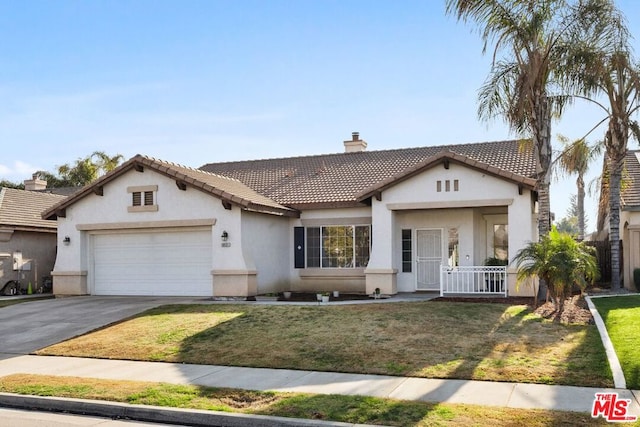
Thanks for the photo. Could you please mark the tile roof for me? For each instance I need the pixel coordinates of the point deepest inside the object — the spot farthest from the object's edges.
(22, 209)
(227, 189)
(630, 196)
(339, 179)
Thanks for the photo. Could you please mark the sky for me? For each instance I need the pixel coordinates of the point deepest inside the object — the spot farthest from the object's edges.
(195, 82)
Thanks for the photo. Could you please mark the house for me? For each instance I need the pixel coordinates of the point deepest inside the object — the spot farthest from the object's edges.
(27, 242)
(399, 220)
(629, 217)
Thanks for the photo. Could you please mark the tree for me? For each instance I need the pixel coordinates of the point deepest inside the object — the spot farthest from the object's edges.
(602, 64)
(574, 160)
(570, 223)
(561, 262)
(83, 171)
(9, 184)
(534, 36)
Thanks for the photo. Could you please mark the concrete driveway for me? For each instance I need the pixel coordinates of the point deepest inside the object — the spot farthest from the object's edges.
(30, 326)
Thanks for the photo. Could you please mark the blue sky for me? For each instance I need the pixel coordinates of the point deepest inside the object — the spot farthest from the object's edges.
(205, 81)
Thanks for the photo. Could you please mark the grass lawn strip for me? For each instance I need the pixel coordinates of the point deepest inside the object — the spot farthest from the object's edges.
(621, 316)
(479, 341)
(349, 409)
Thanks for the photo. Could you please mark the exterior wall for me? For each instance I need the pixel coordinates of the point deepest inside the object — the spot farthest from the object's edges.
(630, 235)
(417, 203)
(38, 251)
(266, 244)
(108, 213)
(346, 280)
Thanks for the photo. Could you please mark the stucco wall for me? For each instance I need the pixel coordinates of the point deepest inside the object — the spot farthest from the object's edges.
(37, 249)
(265, 239)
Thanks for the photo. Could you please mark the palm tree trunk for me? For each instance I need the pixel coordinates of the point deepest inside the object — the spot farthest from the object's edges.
(542, 139)
(580, 207)
(616, 163)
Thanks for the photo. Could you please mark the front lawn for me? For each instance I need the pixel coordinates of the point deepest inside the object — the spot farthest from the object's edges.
(478, 341)
(621, 316)
(16, 300)
(349, 409)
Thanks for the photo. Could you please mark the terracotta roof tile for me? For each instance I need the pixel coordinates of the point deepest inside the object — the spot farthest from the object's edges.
(22, 209)
(630, 197)
(338, 179)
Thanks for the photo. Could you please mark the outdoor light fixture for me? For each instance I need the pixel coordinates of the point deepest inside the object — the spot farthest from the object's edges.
(225, 236)
(66, 240)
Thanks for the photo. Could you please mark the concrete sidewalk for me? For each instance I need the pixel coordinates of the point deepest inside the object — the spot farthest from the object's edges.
(501, 394)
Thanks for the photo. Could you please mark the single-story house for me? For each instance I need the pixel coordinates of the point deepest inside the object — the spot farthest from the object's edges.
(401, 220)
(27, 241)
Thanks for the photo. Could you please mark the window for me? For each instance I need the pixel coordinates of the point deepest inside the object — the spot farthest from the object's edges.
(501, 241)
(143, 198)
(406, 251)
(339, 246)
(454, 253)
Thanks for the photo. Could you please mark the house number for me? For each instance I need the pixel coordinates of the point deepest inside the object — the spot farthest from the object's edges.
(226, 244)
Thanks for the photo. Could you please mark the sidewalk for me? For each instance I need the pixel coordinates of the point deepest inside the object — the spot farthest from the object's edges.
(501, 394)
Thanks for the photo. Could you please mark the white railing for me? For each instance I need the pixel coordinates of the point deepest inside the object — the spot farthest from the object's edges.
(477, 279)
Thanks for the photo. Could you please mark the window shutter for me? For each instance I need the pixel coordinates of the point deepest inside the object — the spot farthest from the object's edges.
(137, 198)
(148, 198)
(298, 247)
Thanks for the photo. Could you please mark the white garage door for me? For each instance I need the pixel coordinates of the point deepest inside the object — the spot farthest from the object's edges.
(155, 263)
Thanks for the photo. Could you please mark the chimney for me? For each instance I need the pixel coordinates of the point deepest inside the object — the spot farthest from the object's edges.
(355, 144)
(35, 184)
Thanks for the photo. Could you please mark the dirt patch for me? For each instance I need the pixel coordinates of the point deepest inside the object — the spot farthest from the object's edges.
(310, 297)
(575, 309)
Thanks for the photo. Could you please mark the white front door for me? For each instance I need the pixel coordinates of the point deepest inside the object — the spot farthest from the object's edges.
(428, 259)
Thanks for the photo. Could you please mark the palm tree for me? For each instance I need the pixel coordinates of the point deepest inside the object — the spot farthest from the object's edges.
(104, 162)
(604, 63)
(574, 160)
(561, 262)
(533, 35)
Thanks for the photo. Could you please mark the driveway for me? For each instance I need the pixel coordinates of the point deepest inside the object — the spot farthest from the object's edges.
(30, 326)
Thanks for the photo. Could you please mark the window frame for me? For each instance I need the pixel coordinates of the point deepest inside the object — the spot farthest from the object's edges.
(143, 198)
(315, 252)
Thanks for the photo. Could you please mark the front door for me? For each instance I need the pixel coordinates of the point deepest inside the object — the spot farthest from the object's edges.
(428, 259)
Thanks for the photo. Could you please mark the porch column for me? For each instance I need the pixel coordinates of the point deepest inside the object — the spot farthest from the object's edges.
(520, 217)
(380, 272)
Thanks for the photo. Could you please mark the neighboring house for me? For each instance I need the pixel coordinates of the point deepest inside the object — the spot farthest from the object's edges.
(27, 242)
(629, 218)
(353, 221)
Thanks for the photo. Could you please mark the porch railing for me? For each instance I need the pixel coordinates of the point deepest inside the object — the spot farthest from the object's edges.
(476, 279)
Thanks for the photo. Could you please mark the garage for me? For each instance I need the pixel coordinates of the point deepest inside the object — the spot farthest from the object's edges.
(169, 263)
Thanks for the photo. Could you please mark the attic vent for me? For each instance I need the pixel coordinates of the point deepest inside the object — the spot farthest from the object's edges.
(355, 144)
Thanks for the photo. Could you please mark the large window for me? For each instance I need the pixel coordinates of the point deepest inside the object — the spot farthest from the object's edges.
(338, 246)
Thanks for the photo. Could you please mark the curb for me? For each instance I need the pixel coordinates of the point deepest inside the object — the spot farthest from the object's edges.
(616, 370)
(157, 414)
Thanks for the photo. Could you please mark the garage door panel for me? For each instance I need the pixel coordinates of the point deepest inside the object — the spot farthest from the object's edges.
(163, 263)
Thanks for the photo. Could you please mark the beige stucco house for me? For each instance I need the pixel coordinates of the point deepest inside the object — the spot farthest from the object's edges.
(406, 220)
(27, 242)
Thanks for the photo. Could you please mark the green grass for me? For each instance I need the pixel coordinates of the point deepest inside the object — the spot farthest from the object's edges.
(481, 341)
(349, 409)
(621, 316)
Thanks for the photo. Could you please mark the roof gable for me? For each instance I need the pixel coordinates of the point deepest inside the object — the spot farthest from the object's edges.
(445, 156)
(227, 189)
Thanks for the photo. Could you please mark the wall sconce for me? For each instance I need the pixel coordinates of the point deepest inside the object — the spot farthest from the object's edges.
(225, 236)
(66, 240)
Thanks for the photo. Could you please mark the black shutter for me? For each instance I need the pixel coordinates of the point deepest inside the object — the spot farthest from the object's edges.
(298, 247)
